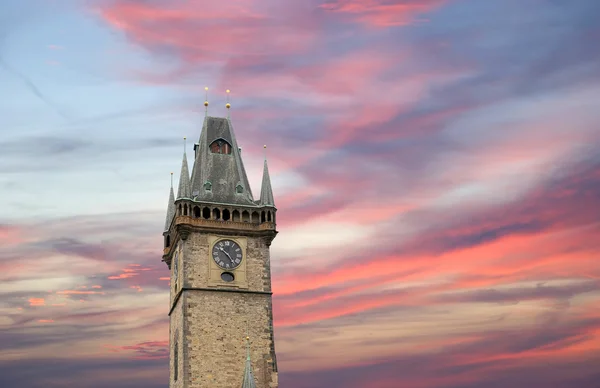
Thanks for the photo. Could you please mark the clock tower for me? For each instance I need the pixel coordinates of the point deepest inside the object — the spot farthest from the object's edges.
(216, 245)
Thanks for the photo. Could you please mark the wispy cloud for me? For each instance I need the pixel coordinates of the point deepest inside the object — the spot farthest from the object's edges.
(434, 164)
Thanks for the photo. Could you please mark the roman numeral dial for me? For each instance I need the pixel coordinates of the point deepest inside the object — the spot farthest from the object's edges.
(227, 254)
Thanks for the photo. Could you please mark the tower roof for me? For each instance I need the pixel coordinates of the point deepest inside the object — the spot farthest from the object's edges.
(248, 381)
(219, 176)
(266, 192)
(184, 190)
(170, 208)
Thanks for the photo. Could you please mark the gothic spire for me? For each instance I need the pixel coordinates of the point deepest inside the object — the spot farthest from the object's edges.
(248, 381)
(184, 190)
(266, 192)
(218, 174)
(170, 208)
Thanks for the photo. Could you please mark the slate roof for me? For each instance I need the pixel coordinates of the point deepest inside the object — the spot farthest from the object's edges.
(224, 171)
(184, 190)
(170, 210)
(266, 192)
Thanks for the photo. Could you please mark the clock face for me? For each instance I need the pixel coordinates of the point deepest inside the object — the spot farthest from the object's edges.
(227, 254)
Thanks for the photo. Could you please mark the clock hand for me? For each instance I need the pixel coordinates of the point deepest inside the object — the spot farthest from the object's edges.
(225, 252)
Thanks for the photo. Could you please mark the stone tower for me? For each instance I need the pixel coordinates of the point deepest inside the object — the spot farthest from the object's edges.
(216, 245)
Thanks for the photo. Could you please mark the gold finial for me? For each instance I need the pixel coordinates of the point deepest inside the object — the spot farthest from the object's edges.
(228, 105)
(184, 141)
(206, 100)
(247, 338)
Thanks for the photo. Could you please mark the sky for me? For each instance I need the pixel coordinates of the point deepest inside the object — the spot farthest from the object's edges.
(434, 163)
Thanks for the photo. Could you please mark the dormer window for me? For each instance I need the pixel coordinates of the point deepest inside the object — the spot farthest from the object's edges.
(239, 189)
(220, 146)
(207, 186)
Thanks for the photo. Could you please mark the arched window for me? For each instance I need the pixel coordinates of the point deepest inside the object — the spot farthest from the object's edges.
(220, 146)
(176, 361)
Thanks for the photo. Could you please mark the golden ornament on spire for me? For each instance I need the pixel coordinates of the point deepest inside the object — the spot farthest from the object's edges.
(206, 96)
(228, 105)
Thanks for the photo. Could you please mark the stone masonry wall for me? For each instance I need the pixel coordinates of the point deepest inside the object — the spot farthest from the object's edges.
(196, 256)
(215, 339)
(213, 324)
(176, 335)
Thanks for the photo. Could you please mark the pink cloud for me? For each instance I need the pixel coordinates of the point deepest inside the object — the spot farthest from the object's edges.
(79, 292)
(37, 302)
(381, 13)
(10, 235)
(190, 28)
(144, 350)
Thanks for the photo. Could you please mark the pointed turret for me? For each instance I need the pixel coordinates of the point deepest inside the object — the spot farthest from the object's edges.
(248, 381)
(219, 174)
(184, 190)
(170, 207)
(266, 192)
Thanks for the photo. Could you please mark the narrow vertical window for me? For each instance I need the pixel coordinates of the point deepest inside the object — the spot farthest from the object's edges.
(176, 361)
(175, 271)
